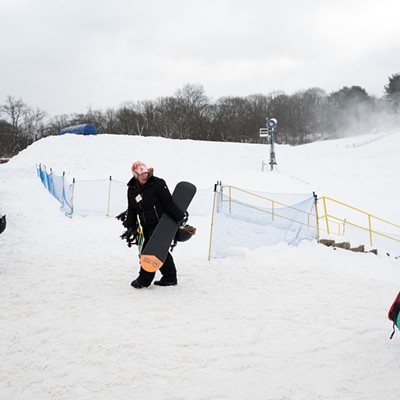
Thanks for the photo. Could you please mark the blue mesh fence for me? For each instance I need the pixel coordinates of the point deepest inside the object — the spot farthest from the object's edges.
(85, 197)
(58, 187)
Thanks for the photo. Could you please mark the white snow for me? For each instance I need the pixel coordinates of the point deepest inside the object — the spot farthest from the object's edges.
(281, 322)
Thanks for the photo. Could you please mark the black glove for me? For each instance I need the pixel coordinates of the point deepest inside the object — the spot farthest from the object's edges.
(130, 235)
(122, 216)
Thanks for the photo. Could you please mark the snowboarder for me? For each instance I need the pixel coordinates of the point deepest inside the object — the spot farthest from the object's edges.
(148, 199)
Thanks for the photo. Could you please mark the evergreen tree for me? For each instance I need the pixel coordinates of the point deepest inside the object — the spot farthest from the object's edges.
(392, 91)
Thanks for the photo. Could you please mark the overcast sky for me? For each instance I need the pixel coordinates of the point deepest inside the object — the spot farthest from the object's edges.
(65, 56)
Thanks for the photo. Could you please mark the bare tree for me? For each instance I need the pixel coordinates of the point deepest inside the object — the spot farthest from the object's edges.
(194, 111)
(257, 114)
(129, 119)
(33, 126)
(14, 109)
(308, 115)
(6, 139)
(232, 119)
(111, 121)
(280, 107)
(57, 123)
(27, 123)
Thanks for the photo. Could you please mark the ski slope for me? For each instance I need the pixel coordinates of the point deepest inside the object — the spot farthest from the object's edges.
(305, 322)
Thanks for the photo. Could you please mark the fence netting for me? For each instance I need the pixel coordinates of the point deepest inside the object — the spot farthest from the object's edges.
(85, 197)
(254, 219)
(99, 197)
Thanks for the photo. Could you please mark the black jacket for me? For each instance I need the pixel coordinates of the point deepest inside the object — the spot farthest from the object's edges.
(149, 202)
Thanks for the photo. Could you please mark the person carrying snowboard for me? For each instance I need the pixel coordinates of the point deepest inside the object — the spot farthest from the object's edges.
(148, 199)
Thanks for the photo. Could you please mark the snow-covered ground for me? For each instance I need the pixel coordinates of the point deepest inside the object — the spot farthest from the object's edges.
(281, 322)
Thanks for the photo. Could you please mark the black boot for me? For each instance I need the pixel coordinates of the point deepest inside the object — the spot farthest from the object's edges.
(166, 282)
(139, 284)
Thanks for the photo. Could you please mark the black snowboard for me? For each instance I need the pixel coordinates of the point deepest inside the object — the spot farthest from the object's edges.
(155, 252)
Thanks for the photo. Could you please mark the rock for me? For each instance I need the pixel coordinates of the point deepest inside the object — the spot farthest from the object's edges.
(359, 249)
(343, 245)
(327, 242)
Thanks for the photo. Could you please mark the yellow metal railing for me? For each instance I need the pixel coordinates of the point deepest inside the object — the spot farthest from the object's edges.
(323, 222)
(369, 221)
(273, 212)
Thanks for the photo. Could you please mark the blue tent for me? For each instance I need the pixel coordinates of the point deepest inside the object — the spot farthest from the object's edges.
(85, 129)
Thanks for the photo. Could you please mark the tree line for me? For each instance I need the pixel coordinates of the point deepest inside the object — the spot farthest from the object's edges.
(303, 117)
